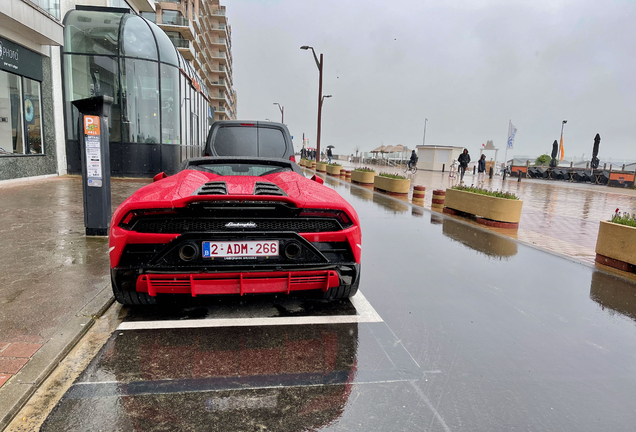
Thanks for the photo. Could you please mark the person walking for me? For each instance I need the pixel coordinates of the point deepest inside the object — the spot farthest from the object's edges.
(481, 170)
(464, 160)
(329, 155)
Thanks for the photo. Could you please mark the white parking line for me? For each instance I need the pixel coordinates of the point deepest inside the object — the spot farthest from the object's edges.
(366, 313)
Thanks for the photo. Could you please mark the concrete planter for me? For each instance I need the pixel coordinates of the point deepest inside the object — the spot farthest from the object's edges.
(321, 166)
(492, 208)
(365, 177)
(334, 169)
(617, 242)
(303, 162)
(396, 186)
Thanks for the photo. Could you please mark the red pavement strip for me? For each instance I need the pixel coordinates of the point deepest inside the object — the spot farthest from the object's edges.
(13, 356)
(4, 378)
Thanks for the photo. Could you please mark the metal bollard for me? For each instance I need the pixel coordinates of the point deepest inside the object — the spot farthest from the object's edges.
(443, 166)
(491, 173)
(504, 174)
(474, 168)
(519, 174)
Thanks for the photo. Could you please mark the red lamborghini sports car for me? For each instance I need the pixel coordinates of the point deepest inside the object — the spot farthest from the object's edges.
(234, 225)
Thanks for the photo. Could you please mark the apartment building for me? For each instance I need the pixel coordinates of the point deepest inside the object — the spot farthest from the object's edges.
(201, 32)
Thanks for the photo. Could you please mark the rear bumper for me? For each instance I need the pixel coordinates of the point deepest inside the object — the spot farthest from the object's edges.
(237, 283)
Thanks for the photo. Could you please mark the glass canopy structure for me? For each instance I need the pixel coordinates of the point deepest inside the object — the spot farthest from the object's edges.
(161, 112)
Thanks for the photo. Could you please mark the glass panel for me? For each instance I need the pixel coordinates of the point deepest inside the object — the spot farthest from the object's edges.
(92, 32)
(174, 18)
(33, 116)
(167, 51)
(51, 6)
(271, 143)
(235, 141)
(11, 128)
(170, 121)
(150, 16)
(86, 76)
(138, 40)
(140, 101)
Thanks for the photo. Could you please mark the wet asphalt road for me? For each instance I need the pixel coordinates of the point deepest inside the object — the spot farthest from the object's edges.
(457, 329)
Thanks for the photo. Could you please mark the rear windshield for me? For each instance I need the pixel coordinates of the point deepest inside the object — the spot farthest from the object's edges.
(249, 141)
(238, 169)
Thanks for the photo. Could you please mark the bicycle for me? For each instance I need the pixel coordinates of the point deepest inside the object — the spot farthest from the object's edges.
(411, 168)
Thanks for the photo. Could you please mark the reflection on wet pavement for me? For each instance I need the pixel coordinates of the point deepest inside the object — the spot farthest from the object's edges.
(482, 241)
(614, 294)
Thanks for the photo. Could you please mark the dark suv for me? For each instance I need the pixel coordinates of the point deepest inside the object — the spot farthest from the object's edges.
(249, 138)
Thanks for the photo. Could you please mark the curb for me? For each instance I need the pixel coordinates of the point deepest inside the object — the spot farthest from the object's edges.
(15, 393)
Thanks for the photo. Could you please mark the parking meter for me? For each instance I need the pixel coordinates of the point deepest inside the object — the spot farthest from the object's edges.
(93, 137)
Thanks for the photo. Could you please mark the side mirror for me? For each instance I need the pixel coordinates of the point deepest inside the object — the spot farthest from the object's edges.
(160, 176)
(318, 179)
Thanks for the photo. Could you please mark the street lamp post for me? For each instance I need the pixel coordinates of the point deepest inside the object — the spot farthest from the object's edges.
(424, 139)
(320, 65)
(282, 112)
(561, 145)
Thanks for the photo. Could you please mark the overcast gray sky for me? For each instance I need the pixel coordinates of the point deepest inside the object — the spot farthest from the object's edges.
(468, 66)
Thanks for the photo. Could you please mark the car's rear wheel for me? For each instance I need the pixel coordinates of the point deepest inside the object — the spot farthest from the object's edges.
(132, 298)
(341, 292)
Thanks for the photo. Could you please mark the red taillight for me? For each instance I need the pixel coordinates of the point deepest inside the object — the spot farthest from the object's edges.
(340, 215)
(248, 124)
(133, 214)
(292, 158)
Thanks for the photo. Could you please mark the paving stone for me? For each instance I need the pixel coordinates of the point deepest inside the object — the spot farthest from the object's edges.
(21, 349)
(11, 365)
(4, 378)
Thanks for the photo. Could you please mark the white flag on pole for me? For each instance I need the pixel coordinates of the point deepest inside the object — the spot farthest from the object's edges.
(512, 131)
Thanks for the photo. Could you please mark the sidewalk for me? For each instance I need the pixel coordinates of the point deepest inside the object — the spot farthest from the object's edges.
(557, 216)
(53, 279)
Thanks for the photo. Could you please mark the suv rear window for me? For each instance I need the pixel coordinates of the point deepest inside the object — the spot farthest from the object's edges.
(271, 143)
(249, 141)
(235, 141)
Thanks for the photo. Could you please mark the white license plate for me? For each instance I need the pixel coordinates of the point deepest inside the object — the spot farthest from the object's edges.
(226, 249)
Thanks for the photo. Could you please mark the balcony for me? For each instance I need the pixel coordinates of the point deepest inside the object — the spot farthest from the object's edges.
(177, 22)
(38, 21)
(185, 47)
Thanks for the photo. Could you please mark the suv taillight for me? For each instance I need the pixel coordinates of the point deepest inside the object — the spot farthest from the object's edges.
(292, 158)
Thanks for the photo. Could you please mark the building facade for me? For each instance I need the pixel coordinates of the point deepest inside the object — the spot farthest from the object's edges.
(201, 32)
(169, 81)
(29, 33)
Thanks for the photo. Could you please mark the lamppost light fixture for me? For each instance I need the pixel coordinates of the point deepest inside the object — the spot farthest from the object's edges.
(305, 47)
(565, 121)
(326, 96)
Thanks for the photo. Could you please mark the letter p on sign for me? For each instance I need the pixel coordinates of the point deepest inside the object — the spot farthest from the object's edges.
(91, 125)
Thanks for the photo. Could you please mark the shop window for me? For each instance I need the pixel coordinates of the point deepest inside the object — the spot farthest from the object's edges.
(11, 119)
(140, 101)
(33, 116)
(170, 110)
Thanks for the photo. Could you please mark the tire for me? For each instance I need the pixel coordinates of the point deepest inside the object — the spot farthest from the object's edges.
(342, 291)
(132, 298)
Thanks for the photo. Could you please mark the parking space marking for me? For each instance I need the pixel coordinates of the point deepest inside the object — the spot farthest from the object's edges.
(365, 313)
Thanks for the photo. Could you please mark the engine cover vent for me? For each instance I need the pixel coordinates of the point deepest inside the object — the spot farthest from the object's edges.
(266, 188)
(212, 188)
